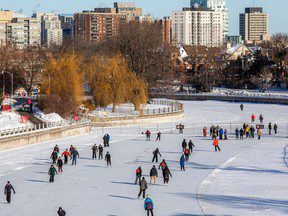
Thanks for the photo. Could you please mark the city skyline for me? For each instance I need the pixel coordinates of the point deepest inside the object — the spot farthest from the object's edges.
(276, 21)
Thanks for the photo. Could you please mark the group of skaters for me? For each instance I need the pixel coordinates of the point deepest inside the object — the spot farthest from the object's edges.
(148, 135)
(216, 131)
(56, 158)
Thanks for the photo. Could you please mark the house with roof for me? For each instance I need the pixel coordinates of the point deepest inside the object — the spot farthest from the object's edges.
(232, 53)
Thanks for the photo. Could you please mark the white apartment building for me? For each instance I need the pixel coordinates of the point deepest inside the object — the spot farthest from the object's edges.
(198, 26)
(18, 30)
(51, 31)
(218, 6)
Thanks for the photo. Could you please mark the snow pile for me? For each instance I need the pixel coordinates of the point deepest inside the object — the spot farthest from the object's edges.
(52, 117)
(248, 93)
(10, 120)
(126, 109)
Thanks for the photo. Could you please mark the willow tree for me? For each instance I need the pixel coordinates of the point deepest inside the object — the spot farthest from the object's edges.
(63, 85)
(137, 90)
(114, 84)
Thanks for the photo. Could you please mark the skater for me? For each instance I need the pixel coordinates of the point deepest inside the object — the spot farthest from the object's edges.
(241, 132)
(107, 140)
(60, 165)
(221, 133)
(247, 131)
(217, 130)
(143, 187)
(181, 128)
(225, 134)
(214, 133)
(148, 205)
(275, 127)
(216, 145)
(100, 152)
(52, 172)
(270, 128)
(211, 130)
(166, 173)
(237, 133)
(252, 131)
(61, 212)
(191, 145)
(148, 135)
(204, 132)
(187, 154)
(153, 175)
(74, 156)
(241, 107)
(155, 155)
(138, 174)
(71, 151)
(8, 190)
(66, 155)
(108, 159)
(104, 141)
(261, 118)
(184, 145)
(54, 157)
(182, 163)
(259, 133)
(158, 136)
(252, 118)
(94, 151)
(56, 148)
(163, 164)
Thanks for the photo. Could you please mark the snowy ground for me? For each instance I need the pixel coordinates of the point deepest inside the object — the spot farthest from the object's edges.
(247, 178)
(10, 120)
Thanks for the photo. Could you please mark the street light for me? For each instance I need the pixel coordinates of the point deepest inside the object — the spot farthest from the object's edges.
(12, 81)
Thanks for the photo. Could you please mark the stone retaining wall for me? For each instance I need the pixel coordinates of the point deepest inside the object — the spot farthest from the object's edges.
(29, 138)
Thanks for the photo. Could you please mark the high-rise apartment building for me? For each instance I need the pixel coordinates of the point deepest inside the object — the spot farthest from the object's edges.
(218, 6)
(23, 32)
(67, 25)
(166, 25)
(51, 31)
(198, 26)
(19, 31)
(254, 25)
(91, 26)
(128, 9)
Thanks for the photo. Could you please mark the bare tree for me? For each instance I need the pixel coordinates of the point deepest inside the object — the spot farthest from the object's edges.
(142, 46)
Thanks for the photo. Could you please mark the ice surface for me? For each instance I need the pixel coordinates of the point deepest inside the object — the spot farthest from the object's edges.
(247, 178)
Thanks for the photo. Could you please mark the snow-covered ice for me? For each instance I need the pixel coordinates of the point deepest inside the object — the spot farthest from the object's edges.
(247, 178)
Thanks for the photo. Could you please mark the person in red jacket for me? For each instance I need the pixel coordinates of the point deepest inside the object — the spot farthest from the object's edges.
(204, 131)
(216, 144)
(66, 155)
(252, 118)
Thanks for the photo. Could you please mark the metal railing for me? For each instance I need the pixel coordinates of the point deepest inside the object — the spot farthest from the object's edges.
(42, 127)
(169, 107)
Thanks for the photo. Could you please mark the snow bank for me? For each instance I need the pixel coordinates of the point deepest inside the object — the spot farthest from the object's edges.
(10, 120)
(52, 117)
(126, 109)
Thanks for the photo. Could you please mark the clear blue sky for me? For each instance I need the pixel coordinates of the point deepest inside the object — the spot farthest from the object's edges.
(277, 9)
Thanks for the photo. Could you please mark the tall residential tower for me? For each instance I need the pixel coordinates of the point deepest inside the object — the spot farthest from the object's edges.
(218, 6)
(254, 25)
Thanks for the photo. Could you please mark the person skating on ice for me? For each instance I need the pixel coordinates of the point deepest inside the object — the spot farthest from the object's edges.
(153, 175)
(66, 155)
(138, 174)
(52, 172)
(8, 191)
(143, 186)
(149, 205)
(155, 155)
(108, 159)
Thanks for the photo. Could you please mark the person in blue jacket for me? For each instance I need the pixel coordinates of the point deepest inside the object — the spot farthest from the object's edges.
(182, 162)
(107, 139)
(221, 132)
(149, 205)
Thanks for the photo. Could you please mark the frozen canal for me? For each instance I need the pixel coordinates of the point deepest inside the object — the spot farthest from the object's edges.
(247, 178)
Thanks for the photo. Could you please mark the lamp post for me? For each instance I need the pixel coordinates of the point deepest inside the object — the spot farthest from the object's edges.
(12, 83)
